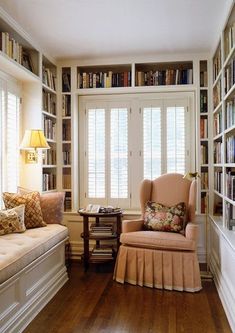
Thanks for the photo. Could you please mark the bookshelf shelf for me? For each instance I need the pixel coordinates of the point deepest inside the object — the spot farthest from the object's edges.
(217, 107)
(158, 74)
(48, 114)
(47, 88)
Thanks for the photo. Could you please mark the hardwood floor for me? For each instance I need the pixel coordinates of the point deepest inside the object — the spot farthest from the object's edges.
(93, 302)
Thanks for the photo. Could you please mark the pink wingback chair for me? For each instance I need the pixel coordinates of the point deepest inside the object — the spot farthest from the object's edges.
(157, 259)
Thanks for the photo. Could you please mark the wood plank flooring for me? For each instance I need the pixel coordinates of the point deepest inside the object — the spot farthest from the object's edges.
(93, 302)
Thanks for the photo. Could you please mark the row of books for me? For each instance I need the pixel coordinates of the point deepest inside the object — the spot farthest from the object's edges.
(49, 157)
(49, 127)
(67, 157)
(164, 77)
(203, 128)
(217, 94)
(218, 181)
(104, 79)
(230, 216)
(229, 76)
(15, 51)
(218, 152)
(230, 149)
(217, 123)
(102, 253)
(101, 229)
(204, 154)
(49, 102)
(66, 180)
(217, 64)
(66, 106)
(66, 81)
(230, 113)
(230, 185)
(66, 131)
(203, 79)
(204, 180)
(229, 39)
(204, 203)
(49, 77)
(48, 181)
(203, 101)
(67, 202)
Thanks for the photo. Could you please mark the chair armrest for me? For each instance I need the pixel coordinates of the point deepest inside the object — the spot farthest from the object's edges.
(132, 225)
(192, 231)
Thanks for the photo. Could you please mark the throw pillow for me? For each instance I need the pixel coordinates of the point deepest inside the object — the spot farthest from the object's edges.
(52, 205)
(12, 220)
(33, 212)
(159, 217)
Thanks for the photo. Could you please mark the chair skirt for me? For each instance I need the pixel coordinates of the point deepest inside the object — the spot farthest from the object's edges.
(171, 270)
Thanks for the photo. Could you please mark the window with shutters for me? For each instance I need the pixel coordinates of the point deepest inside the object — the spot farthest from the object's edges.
(9, 142)
(128, 140)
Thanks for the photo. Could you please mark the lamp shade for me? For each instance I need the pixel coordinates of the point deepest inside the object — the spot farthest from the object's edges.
(34, 139)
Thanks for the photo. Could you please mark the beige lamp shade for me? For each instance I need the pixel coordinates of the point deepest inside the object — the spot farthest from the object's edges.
(34, 139)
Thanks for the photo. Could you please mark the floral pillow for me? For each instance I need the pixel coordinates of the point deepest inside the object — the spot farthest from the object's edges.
(12, 220)
(159, 217)
(33, 212)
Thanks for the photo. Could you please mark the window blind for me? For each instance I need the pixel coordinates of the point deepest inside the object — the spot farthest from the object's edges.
(152, 142)
(175, 138)
(119, 153)
(96, 153)
(9, 142)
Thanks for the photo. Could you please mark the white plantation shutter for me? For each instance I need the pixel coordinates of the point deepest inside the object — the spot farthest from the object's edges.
(9, 141)
(126, 139)
(119, 153)
(175, 139)
(152, 142)
(12, 142)
(96, 153)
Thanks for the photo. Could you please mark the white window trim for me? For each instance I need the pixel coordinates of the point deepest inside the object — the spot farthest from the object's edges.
(135, 102)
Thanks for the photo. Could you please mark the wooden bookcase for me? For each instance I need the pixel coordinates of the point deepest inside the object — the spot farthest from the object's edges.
(204, 156)
(159, 74)
(224, 126)
(66, 137)
(49, 125)
(112, 76)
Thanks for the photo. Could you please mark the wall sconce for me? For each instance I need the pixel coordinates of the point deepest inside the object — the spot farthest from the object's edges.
(32, 141)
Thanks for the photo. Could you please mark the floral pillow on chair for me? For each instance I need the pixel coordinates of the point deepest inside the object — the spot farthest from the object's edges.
(159, 217)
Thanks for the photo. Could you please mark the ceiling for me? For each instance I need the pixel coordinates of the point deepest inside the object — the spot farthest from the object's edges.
(113, 28)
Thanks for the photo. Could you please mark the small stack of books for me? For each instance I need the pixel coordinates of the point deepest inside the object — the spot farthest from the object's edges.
(102, 253)
(101, 230)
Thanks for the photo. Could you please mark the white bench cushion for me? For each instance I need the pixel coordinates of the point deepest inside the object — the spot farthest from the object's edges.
(19, 250)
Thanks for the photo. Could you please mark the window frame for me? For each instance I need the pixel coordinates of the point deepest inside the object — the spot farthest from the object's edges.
(135, 103)
(8, 85)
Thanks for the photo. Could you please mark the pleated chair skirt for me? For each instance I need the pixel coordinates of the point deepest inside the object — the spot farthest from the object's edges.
(153, 268)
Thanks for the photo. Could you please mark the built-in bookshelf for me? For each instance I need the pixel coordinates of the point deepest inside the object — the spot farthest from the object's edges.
(66, 137)
(203, 155)
(49, 123)
(224, 125)
(113, 76)
(158, 74)
(16, 48)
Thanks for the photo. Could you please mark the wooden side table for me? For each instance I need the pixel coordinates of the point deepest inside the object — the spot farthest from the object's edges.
(90, 257)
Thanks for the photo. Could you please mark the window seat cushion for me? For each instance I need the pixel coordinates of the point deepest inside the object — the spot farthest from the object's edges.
(19, 250)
